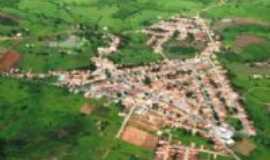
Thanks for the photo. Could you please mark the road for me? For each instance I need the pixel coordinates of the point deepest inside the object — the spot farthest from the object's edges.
(123, 126)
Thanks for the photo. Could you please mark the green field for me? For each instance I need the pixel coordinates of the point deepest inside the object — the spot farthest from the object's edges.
(43, 122)
(175, 49)
(253, 9)
(45, 21)
(39, 121)
(187, 138)
(255, 92)
(134, 51)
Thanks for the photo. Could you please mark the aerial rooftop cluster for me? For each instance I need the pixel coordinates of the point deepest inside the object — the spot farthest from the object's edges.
(192, 94)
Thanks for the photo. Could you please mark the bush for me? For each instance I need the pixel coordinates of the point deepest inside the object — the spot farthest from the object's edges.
(235, 123)
(134, 51)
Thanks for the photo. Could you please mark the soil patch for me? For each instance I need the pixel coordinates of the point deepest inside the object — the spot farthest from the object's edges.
(139, 137)
(149, 122)
(9, 60)
(246, 40)
(86, 109)
(237, 21)
(245, 147)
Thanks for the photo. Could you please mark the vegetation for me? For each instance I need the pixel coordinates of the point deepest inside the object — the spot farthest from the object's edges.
(235, 123)
(40, 57)
(254, 29)
(134, 51)
(257, 10)
(118, 15)
(206, 156)
(255, 92)
(187, 138)
(37, 125)
(38, 121)
(41, 21)
(180, 49)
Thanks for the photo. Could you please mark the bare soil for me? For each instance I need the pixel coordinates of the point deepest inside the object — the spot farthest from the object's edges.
(86, 109)
(237, 21)
(139, 137)
(9, 60)
(245, 147)
(244, 40)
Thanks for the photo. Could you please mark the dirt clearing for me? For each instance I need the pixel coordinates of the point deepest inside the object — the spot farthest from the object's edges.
(245, 147)
(245, 40)
(237, 21)
(139, 137)
(86, 109)
(9, 60)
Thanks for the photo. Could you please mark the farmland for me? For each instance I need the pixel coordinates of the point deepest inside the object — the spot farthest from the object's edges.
(36, 125)
(43, 21)
(255, 92)
(240, 63)
(57, 129)
(242, 8)
(40, 120)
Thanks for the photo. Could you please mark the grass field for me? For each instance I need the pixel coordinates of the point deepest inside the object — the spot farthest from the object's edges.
(187, 138)
(257, 10)
(175, 49)
(38, 121)
(134, 51)
(116, 14)
(42, 20)
(43, 122)
(36, 125)
(255, 92)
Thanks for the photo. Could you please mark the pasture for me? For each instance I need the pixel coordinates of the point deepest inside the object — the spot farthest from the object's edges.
(255, 92)
(37, 125)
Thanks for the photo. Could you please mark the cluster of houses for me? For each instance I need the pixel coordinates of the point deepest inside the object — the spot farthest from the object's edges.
(192, 94)
(166, 151)
(181, 28)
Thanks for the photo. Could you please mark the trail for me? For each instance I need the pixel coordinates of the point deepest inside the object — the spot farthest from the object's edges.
(125, 122)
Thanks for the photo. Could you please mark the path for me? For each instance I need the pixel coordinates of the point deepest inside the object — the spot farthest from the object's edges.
(212, 152)
(224, 145)
(186, 153)
(123, 126)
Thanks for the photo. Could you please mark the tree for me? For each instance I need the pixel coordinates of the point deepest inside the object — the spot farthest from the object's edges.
(133, 157)
(147, 81)
(2, 149)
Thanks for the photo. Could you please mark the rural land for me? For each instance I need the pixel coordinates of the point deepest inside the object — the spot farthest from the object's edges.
(134, 80)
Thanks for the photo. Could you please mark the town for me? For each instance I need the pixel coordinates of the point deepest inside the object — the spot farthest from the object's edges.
(192, 94)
